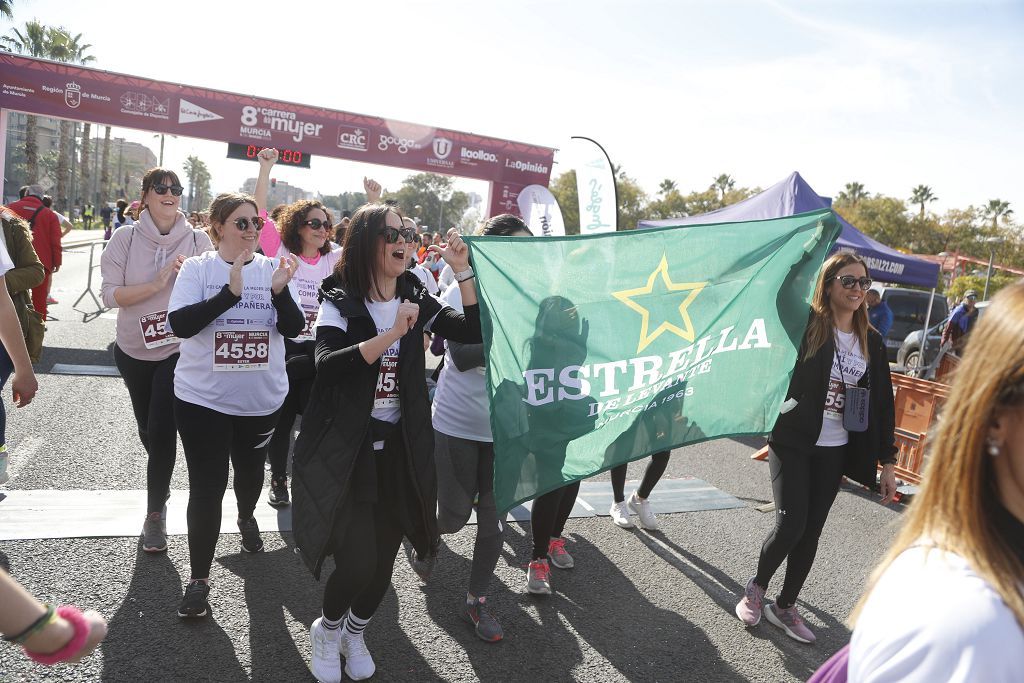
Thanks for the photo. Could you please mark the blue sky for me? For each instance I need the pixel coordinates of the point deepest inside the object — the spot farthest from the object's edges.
(890, 94)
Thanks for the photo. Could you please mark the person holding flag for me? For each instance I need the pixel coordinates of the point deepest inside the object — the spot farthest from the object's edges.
(364, 473)
(838, 419)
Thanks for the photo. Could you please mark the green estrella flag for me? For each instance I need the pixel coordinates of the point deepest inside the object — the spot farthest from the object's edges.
(607, 348)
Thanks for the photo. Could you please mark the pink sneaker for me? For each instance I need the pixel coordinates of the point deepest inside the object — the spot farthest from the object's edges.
(749, 608)
(789, 620)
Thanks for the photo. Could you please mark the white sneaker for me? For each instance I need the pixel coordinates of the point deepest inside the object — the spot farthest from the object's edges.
(620, 515)
(358, 662)
(642, 508)
(326, 662)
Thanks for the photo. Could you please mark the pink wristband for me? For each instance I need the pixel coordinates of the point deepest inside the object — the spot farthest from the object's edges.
(77, 642)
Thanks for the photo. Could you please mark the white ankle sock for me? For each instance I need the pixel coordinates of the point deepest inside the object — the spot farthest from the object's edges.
(354, 625)
(331, 625)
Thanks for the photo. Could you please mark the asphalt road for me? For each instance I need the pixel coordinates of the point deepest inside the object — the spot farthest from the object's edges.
(637, 607)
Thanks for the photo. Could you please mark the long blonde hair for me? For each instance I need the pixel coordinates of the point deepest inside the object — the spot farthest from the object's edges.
(956, 506)
(822, 324)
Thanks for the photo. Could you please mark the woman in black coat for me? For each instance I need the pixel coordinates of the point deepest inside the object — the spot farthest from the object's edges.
(364, 472)
(827, 428)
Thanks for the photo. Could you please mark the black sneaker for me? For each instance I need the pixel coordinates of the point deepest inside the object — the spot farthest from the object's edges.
(194, 604)
(251, 541)
(278, 496)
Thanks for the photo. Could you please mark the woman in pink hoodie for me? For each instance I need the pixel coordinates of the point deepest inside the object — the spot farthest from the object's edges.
(138, 268)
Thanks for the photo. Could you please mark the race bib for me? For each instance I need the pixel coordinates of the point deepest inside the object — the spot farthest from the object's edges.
(835, 399)
(387, 380)
(154, 330)
(308, 333)
(241, 350)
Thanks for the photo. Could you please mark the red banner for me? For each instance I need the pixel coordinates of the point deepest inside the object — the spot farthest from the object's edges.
(74, 92)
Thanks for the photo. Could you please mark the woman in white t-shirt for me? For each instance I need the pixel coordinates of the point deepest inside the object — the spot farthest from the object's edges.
(233, 309)
(464, 453)
(364, 472)
(955, 574)
(820, 436)
(302, 229)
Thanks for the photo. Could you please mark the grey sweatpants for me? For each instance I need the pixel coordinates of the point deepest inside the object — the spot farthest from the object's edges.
(465, 470)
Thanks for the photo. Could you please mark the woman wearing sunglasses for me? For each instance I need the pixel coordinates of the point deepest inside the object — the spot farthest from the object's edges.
(233, 309)
(139, 267)
(828, 427)
(302, 229)
(364, 461)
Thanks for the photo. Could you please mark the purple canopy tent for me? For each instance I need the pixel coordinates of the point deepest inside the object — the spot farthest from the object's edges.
(792, 196)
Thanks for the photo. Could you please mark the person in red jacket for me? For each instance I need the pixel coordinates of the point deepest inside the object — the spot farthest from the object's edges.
(45, 238)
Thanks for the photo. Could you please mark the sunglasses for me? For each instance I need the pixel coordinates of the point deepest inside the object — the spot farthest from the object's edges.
(316, 224)
(391, 235)
(243, 223)
(849, 281)
(161, 189)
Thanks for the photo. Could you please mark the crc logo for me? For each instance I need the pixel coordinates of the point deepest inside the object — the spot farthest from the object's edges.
(350, 137)
(403, 144)
(72, 95)
(471, 156)
(442, 148)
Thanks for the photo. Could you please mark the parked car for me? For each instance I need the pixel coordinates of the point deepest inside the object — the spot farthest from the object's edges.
(909, 309)
(908, 358)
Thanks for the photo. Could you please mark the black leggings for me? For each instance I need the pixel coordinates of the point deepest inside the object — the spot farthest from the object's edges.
(548, 516)
(652, 475)
(805, 485)
(210, 439)
(299, 386)
(151, 388)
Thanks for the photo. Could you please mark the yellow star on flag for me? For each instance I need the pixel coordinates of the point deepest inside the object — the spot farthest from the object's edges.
(627, 297)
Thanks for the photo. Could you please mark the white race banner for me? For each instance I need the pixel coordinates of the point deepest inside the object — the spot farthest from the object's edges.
(595, 184)
(540, 211)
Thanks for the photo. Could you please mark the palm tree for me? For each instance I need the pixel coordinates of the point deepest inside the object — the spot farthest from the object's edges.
(5, 9)
(853, 193)
(35, 41)
(922, 194)
(997, 209)
(666, 187)
(723, 184)
(105, 168)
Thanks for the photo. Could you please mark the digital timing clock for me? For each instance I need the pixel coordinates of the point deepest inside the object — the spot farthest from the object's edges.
(288, 157)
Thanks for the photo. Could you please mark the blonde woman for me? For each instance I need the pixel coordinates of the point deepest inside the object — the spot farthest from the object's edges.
(820, 436)
(956, 570)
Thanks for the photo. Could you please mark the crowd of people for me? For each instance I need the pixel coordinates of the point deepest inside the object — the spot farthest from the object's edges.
(233, 322)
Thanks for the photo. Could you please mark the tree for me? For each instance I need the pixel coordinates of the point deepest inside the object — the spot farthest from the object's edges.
(35, 41)
(922, 194)
(723, 184)
(881, 218)
(5, 9)
(105, 167)
(997, 209)
(852, 194)
(632, 202)
(564, 189)
(672, 204)
(198, 176)
(666, 187)
(441, 206)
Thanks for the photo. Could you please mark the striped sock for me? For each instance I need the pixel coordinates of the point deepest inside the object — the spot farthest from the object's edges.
(329, 624)
(354, 625)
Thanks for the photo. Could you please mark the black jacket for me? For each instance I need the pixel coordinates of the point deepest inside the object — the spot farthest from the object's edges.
(799, 428)
(336, 422)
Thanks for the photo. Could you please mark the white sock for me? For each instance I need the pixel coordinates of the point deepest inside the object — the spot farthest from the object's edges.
(329, 624)
(354, 625)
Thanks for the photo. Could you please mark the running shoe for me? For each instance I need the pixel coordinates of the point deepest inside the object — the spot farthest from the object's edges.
(749, 608)
(486, 626)
(4, 477)
(326, 660)
(538, 578)
(558, 555)
(278, 496)
(251, 540)
(423, 566)
(789, 620)
(50, 300)
(358, 662)
(620, 515)
(642, 508)
(194, 603)
(154, 533)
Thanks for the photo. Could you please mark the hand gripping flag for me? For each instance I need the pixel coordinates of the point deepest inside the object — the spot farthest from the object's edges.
(603, 349)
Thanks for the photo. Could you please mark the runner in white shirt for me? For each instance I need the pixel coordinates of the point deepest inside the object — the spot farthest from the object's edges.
(233, 309)
(464, 453)
(955, 573)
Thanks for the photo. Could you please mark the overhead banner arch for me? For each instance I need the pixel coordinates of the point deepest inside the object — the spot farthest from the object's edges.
(68, 91)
